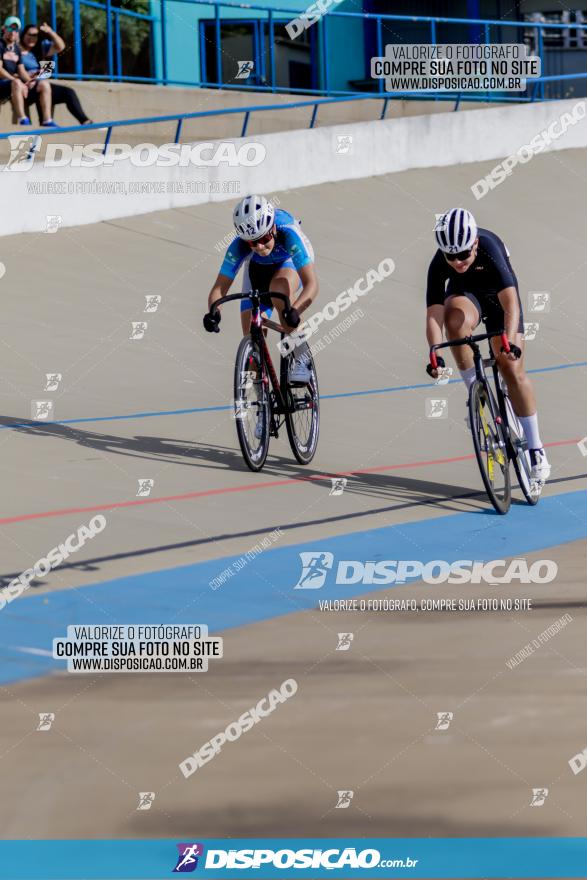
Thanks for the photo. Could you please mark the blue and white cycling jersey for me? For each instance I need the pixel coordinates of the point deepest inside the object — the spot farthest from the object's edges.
(292, 248)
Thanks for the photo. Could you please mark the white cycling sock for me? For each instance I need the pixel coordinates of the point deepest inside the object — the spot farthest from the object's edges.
(531, 431)
(468, 376)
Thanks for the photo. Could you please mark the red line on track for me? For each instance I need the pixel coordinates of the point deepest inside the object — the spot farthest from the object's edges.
(136, 502)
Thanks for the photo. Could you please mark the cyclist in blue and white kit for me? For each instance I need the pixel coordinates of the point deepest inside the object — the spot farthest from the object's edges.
(275, 255)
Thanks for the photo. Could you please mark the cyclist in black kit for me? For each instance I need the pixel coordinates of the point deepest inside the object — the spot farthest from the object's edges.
(471, 279)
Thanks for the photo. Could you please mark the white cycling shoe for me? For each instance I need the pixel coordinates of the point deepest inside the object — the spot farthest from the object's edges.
(540, 469)
(299, 371)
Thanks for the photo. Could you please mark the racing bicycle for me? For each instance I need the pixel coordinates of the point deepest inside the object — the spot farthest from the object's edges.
(498, 436)
(262, 401)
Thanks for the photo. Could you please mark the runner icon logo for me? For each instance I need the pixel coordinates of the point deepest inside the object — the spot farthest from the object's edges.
(539, 301)
(436, 408)
(539, 795)
(138, 329)
(315, 567)
(444, 719)
(530, 330)
(152, 302)
(344, 799)
(344, 641)
(145, 487)
(53, 380)
(146, 799)
(46, 719)
(338, 485)
(187, 860)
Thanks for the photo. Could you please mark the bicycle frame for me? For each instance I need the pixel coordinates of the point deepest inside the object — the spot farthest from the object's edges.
(258, 323)
(480, 363)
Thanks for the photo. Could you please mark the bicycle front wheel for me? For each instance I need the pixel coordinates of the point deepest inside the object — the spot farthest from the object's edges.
(490, 448)
(251, 404)
(302, 411)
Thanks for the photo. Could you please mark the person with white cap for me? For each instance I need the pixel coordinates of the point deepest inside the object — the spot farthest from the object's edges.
(471, 279)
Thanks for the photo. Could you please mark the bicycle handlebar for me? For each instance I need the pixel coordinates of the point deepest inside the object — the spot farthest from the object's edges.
(251, 294)
(470, 341)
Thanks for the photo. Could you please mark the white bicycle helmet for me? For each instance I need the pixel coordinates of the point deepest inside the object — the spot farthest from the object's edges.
(456, 231)
(253, 217)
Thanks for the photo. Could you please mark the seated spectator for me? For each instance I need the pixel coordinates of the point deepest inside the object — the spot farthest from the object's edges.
(39, 44)
(15, 82)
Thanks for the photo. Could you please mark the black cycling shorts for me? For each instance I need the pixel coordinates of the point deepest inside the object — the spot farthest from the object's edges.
(491, 312)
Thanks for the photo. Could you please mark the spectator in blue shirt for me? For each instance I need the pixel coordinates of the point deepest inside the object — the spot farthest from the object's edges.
(39, 44)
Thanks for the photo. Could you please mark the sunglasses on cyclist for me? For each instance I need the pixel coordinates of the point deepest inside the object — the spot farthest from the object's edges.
(265, 239)
(463, 255)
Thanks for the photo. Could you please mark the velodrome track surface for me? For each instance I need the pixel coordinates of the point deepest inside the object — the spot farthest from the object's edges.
(159, 408)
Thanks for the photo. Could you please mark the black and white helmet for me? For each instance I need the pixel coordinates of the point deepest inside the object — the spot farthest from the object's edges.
(253, 217)
(456, 231)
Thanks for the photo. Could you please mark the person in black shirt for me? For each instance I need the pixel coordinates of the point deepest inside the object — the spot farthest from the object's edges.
(471, 279)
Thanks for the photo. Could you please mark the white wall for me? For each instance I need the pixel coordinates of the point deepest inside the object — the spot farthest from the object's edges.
(293, 159)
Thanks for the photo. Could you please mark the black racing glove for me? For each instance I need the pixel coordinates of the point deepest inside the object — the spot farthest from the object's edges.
(211, 321)
(515, 350)
(291, 317)
(441, 363)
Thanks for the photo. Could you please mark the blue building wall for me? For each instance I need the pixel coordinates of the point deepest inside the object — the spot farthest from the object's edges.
(345, 43)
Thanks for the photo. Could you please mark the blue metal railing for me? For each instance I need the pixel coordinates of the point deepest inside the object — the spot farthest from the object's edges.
(161, 33)
(246, 112)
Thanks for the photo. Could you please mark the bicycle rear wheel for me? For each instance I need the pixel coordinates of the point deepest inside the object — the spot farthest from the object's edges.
(520, 455)
(251, 404)
(490, 448)
(302, 413)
